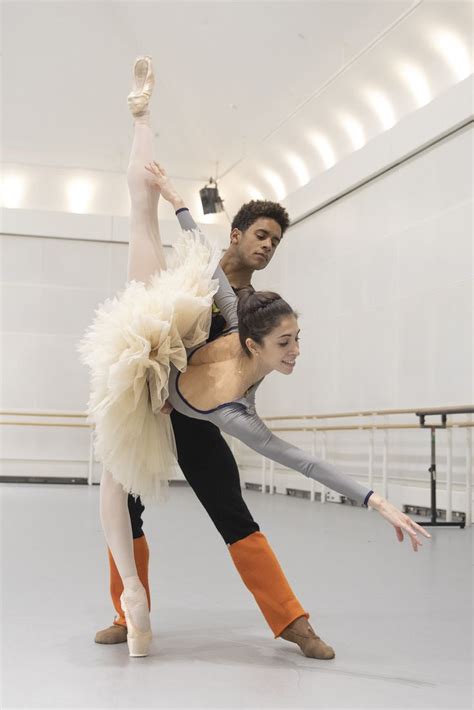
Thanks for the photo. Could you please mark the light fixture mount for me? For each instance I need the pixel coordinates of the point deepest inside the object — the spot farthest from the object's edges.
(210, 199)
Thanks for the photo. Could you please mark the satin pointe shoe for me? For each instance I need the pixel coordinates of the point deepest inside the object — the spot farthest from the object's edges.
(135, 605)
(143, 83)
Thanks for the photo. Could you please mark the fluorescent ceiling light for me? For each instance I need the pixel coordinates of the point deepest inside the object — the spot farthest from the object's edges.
(324, 148)
(354, 130)
(13, 191)
(382, 107)
(299, 168)
(79, 193)
(417, 83)
(276, 183)
(454, 51)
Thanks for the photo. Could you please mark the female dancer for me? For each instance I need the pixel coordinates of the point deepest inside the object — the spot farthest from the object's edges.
(218, 385)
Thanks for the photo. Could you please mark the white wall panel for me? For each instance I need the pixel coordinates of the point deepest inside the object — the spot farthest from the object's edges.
(76, 263)
(21, 307)
(21, 260)
(452, 355)
(383, 281)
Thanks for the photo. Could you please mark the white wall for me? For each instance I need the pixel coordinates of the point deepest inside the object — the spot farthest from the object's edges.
(383, 281)
(382, 278)
(50, 287)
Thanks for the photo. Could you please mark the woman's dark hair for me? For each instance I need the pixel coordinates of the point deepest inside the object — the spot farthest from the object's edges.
(251, 211)
(259, 312)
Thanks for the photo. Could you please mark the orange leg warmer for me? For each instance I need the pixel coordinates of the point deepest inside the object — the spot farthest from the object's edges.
(262, 575)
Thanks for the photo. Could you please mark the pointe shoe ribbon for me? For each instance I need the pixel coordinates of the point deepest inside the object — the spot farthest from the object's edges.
(138, 640)
(143, 83)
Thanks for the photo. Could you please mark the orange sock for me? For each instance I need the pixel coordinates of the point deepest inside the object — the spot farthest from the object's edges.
(262, 575)
(142, 555)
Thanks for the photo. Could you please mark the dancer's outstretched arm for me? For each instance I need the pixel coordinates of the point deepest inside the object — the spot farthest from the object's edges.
(250, 429)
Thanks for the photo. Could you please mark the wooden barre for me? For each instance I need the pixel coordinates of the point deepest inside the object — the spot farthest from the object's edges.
(78, 415)
(369, 427)
(290, 417)
(369, 413)
(353, 427)
(62, 424)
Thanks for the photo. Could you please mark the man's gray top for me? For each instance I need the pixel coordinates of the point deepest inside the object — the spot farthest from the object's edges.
(239, 418)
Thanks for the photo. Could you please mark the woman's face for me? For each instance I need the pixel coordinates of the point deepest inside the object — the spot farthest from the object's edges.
(280, 347)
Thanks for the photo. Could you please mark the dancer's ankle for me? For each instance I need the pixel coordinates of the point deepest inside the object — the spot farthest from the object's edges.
(142, 117)
(132, 583)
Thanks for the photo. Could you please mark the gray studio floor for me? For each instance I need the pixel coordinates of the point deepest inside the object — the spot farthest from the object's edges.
(400, 622)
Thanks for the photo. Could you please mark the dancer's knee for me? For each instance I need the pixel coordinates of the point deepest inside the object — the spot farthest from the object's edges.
(112, 496)
(139, 185)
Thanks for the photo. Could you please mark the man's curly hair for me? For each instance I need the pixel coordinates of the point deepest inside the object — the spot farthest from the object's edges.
(251, 211)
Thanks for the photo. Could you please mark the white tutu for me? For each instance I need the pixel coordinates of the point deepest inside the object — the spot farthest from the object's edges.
(129, 348)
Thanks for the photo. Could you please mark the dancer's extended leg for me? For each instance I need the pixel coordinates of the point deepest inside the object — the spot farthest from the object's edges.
(117, 528)
(146, 255)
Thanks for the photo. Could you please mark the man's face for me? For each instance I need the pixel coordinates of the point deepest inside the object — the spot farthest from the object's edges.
(255, 247)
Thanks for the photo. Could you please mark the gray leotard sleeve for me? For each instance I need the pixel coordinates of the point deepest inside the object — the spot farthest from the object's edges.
(225, 298)
(249, 428)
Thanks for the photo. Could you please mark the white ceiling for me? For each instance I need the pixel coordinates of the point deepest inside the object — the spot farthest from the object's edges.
(229, 74)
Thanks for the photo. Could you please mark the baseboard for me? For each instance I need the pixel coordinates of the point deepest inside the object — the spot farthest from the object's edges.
(74, 481)
(43, 479)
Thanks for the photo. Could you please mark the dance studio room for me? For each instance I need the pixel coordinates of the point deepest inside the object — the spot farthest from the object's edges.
(237, 398)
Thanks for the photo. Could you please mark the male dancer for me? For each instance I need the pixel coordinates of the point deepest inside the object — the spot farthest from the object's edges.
(205, 458)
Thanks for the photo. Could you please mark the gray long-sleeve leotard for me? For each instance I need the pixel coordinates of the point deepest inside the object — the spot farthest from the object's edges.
(239, 418)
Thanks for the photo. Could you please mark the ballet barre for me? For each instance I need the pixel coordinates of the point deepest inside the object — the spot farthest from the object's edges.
(316, 424)
(443, 413)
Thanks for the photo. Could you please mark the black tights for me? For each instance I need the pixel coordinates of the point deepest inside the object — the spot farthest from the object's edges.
(210, 469)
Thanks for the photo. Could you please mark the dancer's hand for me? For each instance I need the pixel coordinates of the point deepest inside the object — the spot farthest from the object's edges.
(167, 408)
(164, 184)
(400, 521)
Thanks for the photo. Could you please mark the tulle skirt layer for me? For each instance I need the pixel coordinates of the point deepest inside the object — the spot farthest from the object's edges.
(130, 347)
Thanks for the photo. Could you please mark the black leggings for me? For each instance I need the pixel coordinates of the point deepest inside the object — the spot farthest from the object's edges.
(210, 469)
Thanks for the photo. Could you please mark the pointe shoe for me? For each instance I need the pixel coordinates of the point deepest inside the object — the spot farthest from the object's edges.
(113, 634)
(301, 633)
(138, 640)
(143, 83)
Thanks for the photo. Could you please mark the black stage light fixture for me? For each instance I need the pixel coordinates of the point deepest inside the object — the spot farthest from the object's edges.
(210, 198)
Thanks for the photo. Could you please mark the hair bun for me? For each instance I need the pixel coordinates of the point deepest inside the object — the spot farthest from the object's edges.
(258, 313)
(251, 302)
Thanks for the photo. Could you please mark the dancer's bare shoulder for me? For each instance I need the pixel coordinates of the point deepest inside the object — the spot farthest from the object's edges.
(226, 347)
(211, 378)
